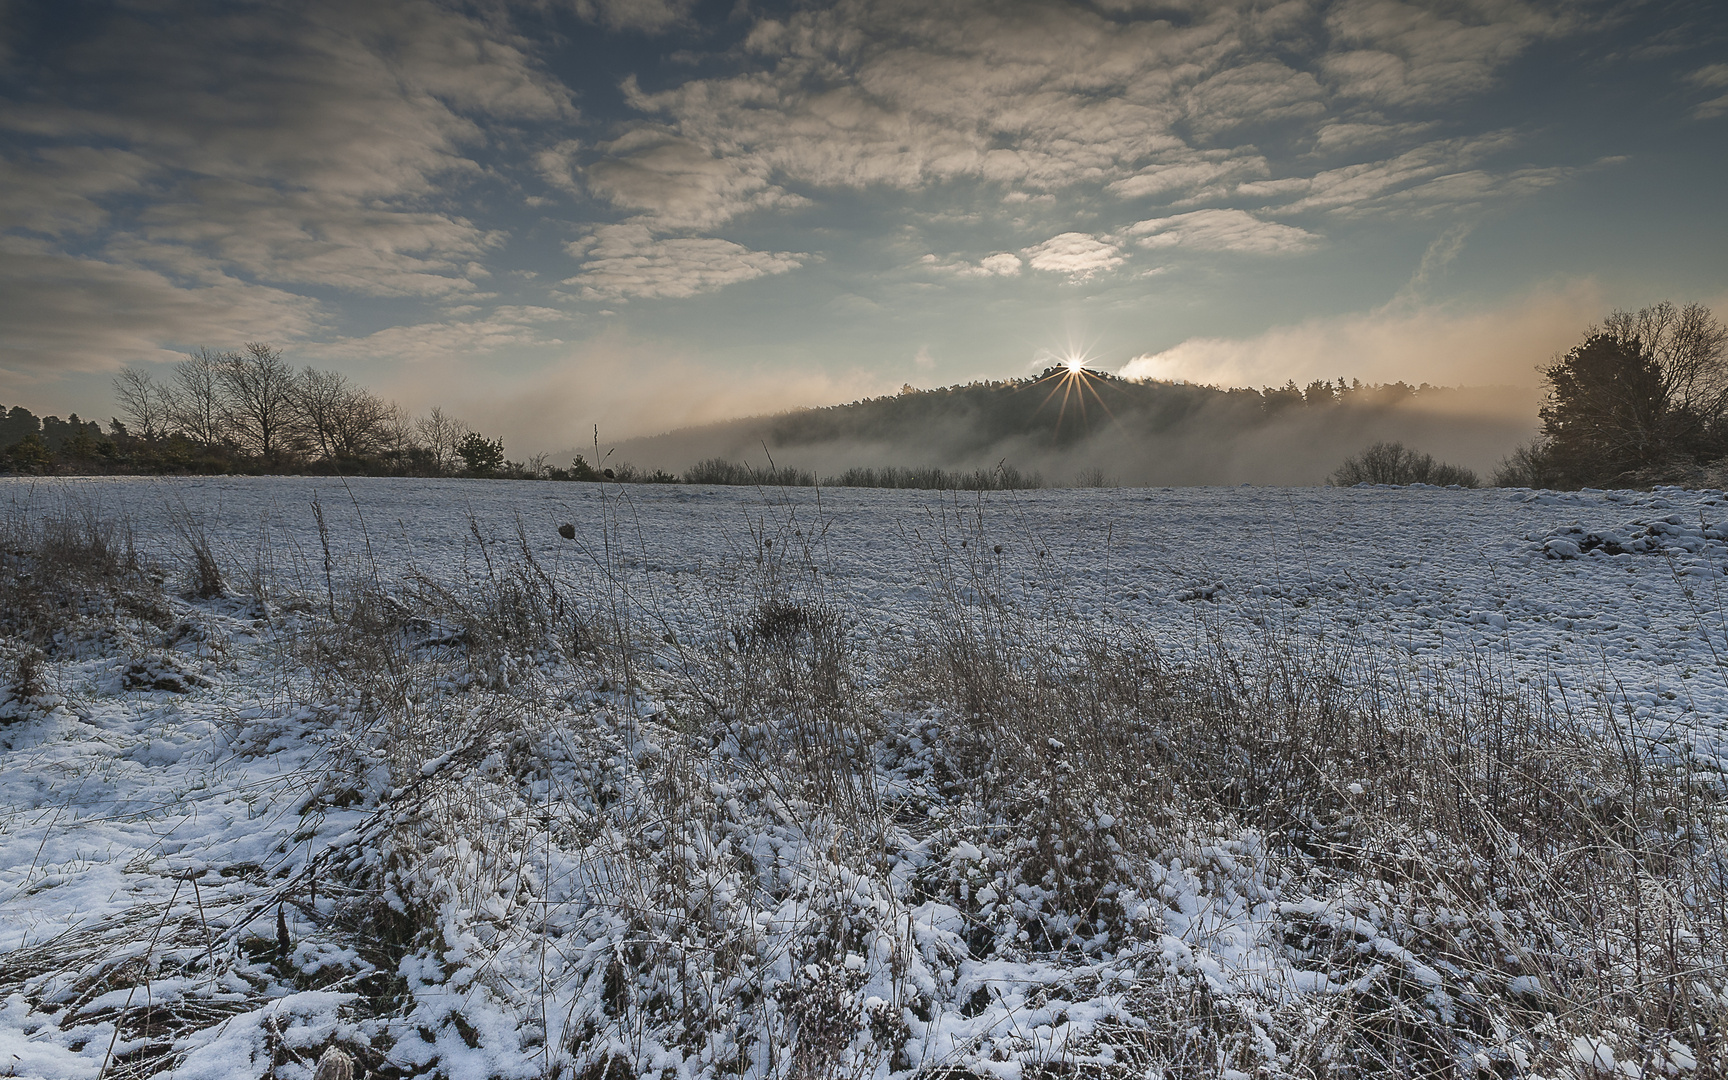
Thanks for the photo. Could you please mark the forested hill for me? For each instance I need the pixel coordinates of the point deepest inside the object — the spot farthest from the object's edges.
(1065, 408)
(1136, 432)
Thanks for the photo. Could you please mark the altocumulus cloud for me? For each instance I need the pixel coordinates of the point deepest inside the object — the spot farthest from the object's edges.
(649, 15)
(624, 261)
(681, 184)
(1402, 54)
(1076, 255)
(65, 313)
(260, 148)
(1221, 230)
(1712, 78)
(1001, 264)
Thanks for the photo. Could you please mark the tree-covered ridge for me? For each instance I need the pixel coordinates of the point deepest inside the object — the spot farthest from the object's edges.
(1063, 407)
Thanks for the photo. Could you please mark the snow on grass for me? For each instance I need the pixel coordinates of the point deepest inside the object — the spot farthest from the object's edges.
(775, 783)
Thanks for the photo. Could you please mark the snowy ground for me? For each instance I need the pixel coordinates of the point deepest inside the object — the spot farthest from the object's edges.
(173, 791)
(1440, 574)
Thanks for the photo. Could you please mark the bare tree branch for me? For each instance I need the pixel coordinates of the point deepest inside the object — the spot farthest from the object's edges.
(144, 402)
(442, 434)
(260, 398)
(196, 398)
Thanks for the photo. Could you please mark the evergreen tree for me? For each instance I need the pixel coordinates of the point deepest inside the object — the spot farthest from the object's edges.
(1607, 411)
(480, 455)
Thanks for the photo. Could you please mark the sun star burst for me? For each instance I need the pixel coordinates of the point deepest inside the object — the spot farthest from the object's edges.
(1074, 382)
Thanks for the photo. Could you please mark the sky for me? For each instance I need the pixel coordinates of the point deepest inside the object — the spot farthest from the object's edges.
(546, 215)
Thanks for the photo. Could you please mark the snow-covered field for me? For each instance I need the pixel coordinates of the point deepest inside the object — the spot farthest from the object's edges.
(1440, 575)
(264, 830)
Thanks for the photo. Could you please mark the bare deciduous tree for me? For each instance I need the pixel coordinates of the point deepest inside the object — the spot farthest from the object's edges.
(395, 429)
(441, 433)
(361, 427)
(196, 398)
(321, 397)
(260, 395)
(1688, 345)
(344, 420)
(144, 402)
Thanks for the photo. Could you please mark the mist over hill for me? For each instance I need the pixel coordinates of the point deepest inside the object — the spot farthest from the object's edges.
(1091, 427)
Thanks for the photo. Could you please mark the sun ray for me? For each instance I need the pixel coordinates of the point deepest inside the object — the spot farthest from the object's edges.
(1070, 378)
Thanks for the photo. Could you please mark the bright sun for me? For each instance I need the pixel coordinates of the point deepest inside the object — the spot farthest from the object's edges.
(1070, 377)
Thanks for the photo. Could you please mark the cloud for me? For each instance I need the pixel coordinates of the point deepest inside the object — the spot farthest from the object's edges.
(64, 313)
(910, 95)
(679, 184)
(1474, 187)
(303, 145)
(176, 182)
(627, 261)
(1078, 255)
(1420, 180)
(1222, 230)
(1435, 258)
(1711, 77)
(1347, 136)
(1259, 92)
(556, 164)
(904, 94)
(1499, 345)
(1391, 52)
(307, 238)
(415, 345)
(346, 99)
(1190, 173)
(59, 190)
(652, 16)
(1001, 264)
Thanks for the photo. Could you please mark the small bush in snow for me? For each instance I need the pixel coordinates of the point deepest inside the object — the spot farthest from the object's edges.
(1395, 463)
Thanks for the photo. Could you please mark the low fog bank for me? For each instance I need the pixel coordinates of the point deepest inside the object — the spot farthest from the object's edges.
(1164, 434)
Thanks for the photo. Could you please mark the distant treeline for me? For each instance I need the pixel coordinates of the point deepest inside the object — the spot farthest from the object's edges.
(250, 412)
(26, 439)
(1643, 400)
(74, 446)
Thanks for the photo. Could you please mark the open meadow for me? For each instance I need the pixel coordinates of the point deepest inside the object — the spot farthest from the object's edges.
(529, 779)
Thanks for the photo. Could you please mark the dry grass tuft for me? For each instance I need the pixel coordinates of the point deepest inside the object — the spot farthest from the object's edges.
(69, 576)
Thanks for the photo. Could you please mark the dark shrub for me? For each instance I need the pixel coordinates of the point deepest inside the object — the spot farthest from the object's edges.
(1395, 463)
